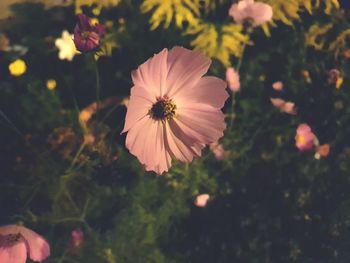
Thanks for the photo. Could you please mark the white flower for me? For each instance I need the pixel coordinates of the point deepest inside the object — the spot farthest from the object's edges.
(65, 44)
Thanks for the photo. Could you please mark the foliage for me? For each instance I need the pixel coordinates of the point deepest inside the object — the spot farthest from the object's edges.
(61, 170)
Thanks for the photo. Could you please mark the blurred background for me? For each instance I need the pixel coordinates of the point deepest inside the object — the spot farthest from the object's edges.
(64, 167)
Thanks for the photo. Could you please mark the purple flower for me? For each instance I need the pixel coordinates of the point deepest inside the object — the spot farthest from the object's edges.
(87, 36)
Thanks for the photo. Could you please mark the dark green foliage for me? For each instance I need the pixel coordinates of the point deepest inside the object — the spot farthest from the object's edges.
(269, 202)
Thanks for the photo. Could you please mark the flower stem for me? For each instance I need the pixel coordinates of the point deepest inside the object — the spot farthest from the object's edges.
(98, 86)
(10, 124)
(233, 97)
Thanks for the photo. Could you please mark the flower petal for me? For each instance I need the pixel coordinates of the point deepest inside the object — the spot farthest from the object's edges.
(16, 253)
(185, 68)
(180, 145)
(38, 248)
(202, 122)
(260, 13)
(138, 107)
(208, 90)
(152, 74)
(146, 141)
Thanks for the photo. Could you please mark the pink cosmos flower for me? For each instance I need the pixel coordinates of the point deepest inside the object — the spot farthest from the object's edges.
(17, 242)
(77, 239)
(278, 85)
(305, 140)
(173, 110)
(218, 150)
(87, 36)
(259, 13)
(201, 200)
(232, 79)
(284, 106)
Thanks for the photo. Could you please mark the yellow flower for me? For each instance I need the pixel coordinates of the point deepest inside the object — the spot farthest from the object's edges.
(51, 84)
(65, 44)
(17, 67)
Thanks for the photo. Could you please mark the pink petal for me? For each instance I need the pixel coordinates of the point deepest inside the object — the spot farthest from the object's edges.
(38, 247)
(303, 128)
(152, 74)
(138, 107)
(208, 90)
(217, 149)
(185, 68)
(260, 13)
(232, 79)
(278, 85)
(180, 145)
(16, 253)
(201, 122)
(145, 140)
(289, 107)
(284, 106)
(201, 200)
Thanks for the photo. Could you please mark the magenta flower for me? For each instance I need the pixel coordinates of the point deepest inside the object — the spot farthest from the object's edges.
(284, 106)
(173, 110)
(232, 79)
(244, 10)
(17, 242)
(305, 140)
(201, 200)
(87, 36)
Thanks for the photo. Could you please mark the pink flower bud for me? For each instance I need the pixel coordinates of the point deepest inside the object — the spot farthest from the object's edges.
(305, 140)
(244, 10)
(278, 85)
(232, 79)
(201, 200)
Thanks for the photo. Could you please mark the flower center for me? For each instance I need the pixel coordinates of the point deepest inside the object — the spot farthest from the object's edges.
(163, 109)
(10, 240)
(85, 34)
(301, 139)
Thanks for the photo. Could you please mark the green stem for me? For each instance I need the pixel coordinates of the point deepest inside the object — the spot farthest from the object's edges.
(233, 97)
(109, 112)
(11, 125)
(249, 31)
(81, 148)
(98, 87)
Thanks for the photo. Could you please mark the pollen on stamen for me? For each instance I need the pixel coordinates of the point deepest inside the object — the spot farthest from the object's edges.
(164, 109)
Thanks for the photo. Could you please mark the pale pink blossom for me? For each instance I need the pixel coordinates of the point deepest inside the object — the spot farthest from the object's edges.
(258, 12)
(77, 239)
(173, 110)
(305, 139)
(278, 85)
(201, 200)
(284, 106)
(217, 149)
(232, 79)
(18, 242)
